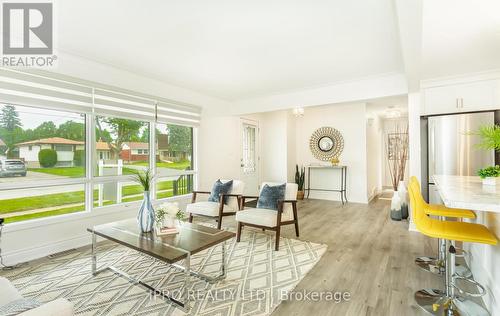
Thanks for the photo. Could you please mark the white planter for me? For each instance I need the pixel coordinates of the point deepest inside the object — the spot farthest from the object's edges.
(396, 207)
(489, 181)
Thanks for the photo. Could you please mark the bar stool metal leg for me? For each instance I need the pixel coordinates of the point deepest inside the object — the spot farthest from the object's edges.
(435, 302)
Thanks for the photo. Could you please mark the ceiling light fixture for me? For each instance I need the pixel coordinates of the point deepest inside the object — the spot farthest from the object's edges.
(392, 114)
(298, 112)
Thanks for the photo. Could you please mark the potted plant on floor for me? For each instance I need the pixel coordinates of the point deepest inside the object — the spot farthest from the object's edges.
(299, 179)
(489, 175)
(146, 215)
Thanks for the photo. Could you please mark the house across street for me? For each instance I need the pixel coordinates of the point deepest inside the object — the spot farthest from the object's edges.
(65, 148)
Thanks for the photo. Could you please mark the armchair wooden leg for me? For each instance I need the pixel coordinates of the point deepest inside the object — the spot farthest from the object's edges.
(219, 222)
(277, 245)
(190, 217)
(238, 233)
(294, 208)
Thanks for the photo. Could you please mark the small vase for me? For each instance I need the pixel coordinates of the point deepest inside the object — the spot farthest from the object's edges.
(146, 215)
(396, 207)
(171, 222)
(403, 195)
(489, 181)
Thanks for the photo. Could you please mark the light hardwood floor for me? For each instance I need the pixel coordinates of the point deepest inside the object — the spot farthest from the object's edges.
(368, 255)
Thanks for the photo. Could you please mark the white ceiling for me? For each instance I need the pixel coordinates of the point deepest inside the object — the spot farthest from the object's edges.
(460, 36)
(235, 49)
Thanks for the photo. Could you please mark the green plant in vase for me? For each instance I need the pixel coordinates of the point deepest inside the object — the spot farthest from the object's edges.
(489, 174)
(489, 139)
(300, 177)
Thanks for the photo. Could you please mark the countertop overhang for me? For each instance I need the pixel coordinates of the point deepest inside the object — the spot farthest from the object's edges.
(468, 192)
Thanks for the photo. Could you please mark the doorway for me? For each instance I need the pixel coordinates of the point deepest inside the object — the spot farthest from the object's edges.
(250, 156)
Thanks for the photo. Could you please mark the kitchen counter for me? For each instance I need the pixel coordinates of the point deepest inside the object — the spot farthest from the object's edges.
(468, 192)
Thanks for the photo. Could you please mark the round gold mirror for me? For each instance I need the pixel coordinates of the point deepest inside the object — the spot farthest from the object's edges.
(326, 143)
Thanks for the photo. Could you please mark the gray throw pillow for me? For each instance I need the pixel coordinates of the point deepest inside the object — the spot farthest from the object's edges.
(270, 195)
(220, 188)
(19, 306)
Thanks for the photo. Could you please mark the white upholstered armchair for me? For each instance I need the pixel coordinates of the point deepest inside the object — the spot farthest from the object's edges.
(9, 294)
(219, 209)
(268, 218)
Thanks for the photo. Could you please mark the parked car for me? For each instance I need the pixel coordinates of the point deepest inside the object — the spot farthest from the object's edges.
(12, 167)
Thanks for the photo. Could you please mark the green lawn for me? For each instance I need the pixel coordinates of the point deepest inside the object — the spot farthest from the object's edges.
(66, 210)
(181, 165)
(61, 199)
(78, 172)
(35, 202)
(73, 172)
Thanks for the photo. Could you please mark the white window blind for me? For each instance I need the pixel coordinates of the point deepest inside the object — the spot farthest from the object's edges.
(42, 88)
(30, 89)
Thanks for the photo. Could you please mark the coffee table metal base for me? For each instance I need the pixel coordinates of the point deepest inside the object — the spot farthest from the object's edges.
(183, 305)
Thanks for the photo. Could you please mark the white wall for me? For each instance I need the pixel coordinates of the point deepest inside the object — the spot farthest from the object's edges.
(29, 155)
(350, 120)
(218, 150)
(374, 154)
(274, 145)
(291, 146)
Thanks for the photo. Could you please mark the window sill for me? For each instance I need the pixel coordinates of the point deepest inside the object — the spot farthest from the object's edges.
(96, 212)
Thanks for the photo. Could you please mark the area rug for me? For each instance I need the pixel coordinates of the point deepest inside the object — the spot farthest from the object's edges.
(257, 278)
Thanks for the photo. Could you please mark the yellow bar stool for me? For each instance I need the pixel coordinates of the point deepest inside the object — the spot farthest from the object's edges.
(447, 302)
(433, 264)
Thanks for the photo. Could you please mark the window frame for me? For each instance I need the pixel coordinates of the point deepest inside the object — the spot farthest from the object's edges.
(89, 180)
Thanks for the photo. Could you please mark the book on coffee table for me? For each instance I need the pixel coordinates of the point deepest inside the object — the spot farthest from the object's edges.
(167, 231)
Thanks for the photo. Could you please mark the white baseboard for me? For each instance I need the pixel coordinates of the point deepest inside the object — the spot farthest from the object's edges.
(39, 251)
(412, 227)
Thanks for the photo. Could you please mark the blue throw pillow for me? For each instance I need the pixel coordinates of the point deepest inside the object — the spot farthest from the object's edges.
(220, 188)
(270, 195)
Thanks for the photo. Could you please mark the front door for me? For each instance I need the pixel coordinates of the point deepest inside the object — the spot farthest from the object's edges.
(250, 156)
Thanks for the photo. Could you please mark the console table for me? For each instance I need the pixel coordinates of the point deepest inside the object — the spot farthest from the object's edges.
(343, 181)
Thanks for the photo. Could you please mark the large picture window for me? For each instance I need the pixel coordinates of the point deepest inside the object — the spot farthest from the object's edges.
(70, 146)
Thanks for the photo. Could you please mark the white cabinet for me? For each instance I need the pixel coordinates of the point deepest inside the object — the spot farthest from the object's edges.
(464, 97)
(441, 100)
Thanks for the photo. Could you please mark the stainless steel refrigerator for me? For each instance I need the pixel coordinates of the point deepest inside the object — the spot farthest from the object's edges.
(451, 150)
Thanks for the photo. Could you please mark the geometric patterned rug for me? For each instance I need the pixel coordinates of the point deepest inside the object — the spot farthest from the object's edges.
(256, 278)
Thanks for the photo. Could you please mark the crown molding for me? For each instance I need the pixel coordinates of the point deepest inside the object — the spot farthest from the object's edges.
(460, 78)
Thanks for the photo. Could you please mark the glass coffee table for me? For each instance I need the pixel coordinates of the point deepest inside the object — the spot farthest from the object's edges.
(171, 249)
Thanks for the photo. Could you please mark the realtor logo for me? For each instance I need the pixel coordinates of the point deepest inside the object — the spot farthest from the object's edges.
(27, 29)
